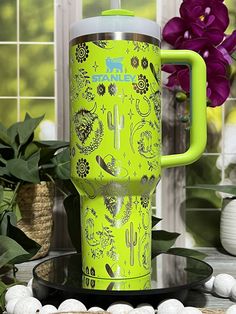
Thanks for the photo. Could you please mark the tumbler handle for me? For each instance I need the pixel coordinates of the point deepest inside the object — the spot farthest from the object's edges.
(198, 131)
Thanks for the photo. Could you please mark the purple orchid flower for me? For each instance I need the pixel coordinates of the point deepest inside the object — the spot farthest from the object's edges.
(199, 18)
(205, 13)
(218, 86)
(228, 46)
(201, 28)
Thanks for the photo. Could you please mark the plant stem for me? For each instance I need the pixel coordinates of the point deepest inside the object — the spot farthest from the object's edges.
(15, 193)
(6, 180)
(57, 187)
(3, 161)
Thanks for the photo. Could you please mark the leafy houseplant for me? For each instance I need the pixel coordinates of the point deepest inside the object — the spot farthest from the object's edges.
(24, 161)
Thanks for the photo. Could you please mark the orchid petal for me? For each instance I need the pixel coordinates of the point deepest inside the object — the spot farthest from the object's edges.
(173, 29)
(229, 43)
(184, 79)
(220, 90)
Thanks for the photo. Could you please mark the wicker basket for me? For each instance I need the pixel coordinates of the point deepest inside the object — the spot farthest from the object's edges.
(36, 203)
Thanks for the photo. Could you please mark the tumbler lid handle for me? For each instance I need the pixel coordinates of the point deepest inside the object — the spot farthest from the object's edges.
(117, 12)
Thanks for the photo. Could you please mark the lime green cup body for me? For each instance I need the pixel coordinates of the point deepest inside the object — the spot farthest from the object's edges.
(116, 161)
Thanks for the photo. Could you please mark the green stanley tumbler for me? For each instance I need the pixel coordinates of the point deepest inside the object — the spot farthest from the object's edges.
(116, 161)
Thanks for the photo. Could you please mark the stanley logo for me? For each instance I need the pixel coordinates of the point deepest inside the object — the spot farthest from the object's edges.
(114, 72)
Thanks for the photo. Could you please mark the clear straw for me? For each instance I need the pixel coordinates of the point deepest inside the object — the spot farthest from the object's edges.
(115, 4)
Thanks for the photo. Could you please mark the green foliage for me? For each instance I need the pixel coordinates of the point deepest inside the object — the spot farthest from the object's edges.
(228, 189)
(9, 250)
(199, 173)
(72, 205)
(24, 160)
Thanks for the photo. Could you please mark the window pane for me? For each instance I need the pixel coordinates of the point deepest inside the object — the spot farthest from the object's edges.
(141, 8)
(204, 171)
(228, 160)
(8, 86)
(8, 20)
(37, 70)
(214, 129)
(91, 8)
(231, 5)
(36, 20)
(47, 128)
(8, 111)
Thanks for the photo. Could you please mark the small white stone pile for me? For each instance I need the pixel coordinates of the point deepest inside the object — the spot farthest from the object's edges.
(19, 300)
(223, 285)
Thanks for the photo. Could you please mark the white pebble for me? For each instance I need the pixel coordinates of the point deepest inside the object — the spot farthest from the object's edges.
(71, 305)
(223, 284)
(48, 309)
(171, 306)
(146, 306)
(28, 305)
(231, 309)
(17, 291)
(11, 305)
(208, 286)
(139, 311)
(233, 292)
(120, 308)
(30, 282)
(190, 310)
(95, 309)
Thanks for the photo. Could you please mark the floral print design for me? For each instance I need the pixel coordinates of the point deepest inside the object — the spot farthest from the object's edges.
(112, 89)
(81, 52)
(101, 89)
(144, 63)
(82, 168)
(135, 62)
(144, 199)
(142, 86)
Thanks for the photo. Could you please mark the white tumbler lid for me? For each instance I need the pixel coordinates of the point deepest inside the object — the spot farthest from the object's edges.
(116, 20)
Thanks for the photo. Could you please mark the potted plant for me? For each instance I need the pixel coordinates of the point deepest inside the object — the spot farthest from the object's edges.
(28, 170)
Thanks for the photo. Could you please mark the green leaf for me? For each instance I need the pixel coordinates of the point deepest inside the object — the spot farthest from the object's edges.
(230, 189)
(27, 127)
(30, 246)
(31, 149)
(2, 146)
(54, 144)
(25, 170)
(62, 164)
(3, 171)
(3, 135)
(187, 253)
(1, 193)
(162, 241)
(3, 289)
(6, 218)
(155, 221)
(12, 132)
(48, 149)
(72, 207)
(9, 250)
